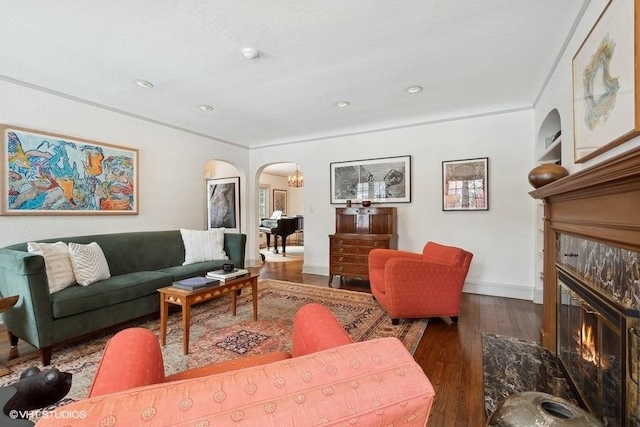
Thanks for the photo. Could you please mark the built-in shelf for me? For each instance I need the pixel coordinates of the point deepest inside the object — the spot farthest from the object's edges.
(553, 153)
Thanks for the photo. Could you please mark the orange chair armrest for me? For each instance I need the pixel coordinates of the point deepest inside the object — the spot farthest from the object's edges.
(411, 272)
(315, 328)
(132, 358)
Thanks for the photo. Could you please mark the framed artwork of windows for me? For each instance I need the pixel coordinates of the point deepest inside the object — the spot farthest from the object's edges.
(384, 180)
(465, 185)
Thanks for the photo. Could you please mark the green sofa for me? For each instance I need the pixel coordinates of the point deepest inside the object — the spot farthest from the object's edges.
(139, 262)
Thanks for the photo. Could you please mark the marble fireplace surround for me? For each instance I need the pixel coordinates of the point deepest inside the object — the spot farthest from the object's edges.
(600, 204)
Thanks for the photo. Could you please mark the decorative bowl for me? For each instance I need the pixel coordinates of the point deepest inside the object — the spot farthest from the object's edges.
(366, 203)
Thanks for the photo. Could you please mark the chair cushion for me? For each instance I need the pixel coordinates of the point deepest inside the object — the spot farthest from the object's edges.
(229, 365)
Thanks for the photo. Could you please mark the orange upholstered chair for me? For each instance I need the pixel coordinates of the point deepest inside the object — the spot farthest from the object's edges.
(412, 285)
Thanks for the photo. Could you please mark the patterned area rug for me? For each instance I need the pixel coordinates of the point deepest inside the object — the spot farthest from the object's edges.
(216, 335)
(511, 365)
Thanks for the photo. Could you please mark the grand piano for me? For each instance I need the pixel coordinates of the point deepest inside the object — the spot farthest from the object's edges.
(280, 227)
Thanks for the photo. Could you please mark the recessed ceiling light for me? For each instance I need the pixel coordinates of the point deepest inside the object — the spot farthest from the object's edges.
(250, 53)
(414, 89)
(205, 107)
(143, 83)
(342, 104)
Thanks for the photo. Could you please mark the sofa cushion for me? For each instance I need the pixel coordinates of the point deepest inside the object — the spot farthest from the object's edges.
(191, 270)
(79, 299)
(88, 262)
(203, 245)
(57, 264)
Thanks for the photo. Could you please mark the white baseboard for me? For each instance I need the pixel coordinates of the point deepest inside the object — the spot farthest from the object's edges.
(498, 290)
(472, 287)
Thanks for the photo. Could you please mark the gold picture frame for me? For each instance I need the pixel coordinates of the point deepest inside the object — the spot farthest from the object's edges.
(606, 95)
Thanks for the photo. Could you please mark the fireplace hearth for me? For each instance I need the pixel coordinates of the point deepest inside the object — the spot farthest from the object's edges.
(597, 326)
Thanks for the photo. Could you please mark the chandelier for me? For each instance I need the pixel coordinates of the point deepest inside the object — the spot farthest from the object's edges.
(296, 180)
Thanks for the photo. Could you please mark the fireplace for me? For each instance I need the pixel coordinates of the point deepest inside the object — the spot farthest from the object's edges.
(586, 295)
(597, 326)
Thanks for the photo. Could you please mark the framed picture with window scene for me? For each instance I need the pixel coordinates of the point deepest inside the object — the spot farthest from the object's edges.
(383, 180)
(465, 185)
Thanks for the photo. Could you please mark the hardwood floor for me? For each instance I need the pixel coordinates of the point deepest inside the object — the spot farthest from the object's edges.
(451, 355)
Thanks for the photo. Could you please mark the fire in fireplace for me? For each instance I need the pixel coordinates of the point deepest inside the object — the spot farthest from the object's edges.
(596, 333)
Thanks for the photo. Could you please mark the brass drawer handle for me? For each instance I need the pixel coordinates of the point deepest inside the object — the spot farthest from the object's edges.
(341, 259)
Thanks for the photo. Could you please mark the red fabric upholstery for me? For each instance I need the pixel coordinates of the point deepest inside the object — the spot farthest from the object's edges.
(133, 357)
(315, 328)
(412, 285)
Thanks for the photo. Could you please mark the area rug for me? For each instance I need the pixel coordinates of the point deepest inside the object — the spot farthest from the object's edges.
(216, 335)
(294, 253)
(511, 365)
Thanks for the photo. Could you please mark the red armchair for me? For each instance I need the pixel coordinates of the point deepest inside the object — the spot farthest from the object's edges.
(412, 285)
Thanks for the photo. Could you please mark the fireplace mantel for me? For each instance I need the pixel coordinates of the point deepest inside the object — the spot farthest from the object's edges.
(600, 203)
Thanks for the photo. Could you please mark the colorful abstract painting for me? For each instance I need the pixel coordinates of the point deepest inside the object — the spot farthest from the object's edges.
(54, 174)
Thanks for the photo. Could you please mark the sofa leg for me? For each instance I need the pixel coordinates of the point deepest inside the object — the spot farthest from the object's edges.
(454, 320)
(46, 354)
(13, 340)
(395, 321)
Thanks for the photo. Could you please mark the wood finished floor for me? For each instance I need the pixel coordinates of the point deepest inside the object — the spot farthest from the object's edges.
(451, 355)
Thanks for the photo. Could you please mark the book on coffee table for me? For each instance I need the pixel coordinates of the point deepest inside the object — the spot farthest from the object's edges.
(222, 275)
(194, 283)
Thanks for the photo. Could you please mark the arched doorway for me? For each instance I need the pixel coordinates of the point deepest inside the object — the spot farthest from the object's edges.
(278, 200)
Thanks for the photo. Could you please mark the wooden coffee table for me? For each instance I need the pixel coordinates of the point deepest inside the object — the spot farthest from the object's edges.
(184, 298)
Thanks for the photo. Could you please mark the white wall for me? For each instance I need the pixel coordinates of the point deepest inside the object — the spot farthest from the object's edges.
(171, 189)
(500, 238)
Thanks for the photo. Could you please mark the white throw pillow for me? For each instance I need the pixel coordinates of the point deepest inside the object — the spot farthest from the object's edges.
(203, 245)
(89, 263)
(56, 262)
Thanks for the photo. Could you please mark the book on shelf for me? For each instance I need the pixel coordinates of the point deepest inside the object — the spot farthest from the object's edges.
(222, 275)
(194, 283)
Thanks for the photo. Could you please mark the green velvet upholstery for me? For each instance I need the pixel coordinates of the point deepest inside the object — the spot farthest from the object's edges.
(140, 263)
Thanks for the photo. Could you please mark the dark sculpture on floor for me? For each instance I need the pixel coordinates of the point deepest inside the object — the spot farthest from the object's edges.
(35, 389)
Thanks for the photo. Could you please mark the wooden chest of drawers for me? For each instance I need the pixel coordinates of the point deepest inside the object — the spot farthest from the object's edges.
(358, 230)
(350, 253)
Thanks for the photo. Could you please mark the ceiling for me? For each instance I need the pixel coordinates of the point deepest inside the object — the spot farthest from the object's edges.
(472, 57)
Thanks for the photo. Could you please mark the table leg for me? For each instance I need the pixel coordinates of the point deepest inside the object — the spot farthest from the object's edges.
(186, 322)
(234, 299)
(164, 308)
(254, 295)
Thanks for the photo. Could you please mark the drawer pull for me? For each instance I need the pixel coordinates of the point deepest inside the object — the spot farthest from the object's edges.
(340, 268)
(340, 249)
(341, 259)
(341, 242)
